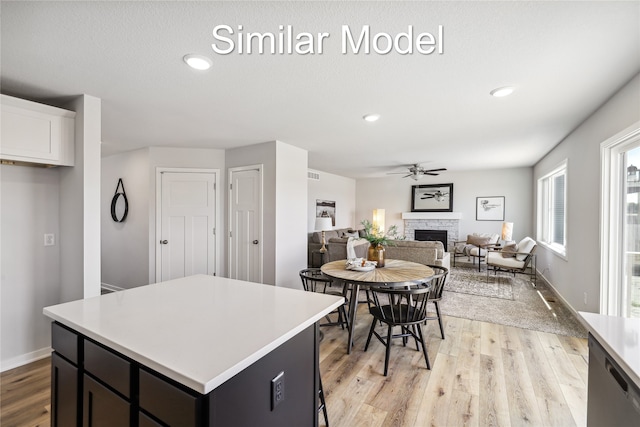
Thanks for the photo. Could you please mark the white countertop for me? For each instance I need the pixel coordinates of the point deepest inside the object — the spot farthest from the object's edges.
(620, 336)
(199, 330)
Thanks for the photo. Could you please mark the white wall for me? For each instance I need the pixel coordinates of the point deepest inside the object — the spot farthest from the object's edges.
(580, 272)
(291, 219)
(394, 195)
(284, 171)
(340, 189)
(129, 247)
(80, 205)
(30, 272)
(63, 201)
(125, 245)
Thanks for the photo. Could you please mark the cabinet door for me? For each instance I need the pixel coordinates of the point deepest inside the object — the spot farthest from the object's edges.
(36, 133)
(168, 403)
(103, 407)
(64, 392)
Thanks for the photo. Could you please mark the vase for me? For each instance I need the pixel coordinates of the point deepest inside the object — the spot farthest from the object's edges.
(376, 253)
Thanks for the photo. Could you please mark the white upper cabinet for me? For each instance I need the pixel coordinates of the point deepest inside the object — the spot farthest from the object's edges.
(36, 133)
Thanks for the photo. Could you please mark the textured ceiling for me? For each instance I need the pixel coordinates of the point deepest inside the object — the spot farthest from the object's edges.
(564, 58)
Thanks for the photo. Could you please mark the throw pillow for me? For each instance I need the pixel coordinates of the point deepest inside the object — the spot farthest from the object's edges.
(350, 233)
(478, 240)
(509, 251)
(526, 245)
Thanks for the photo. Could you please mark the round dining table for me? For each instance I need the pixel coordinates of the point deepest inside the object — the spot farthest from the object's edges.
(394, 273)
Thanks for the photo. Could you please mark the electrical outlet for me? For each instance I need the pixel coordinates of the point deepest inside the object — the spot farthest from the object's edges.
(277, 390)
(49, 239)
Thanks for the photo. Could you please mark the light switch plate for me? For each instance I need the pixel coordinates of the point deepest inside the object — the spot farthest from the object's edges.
(49, 239)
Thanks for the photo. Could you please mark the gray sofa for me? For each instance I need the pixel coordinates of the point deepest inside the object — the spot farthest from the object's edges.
(423, 252)
(336, 244)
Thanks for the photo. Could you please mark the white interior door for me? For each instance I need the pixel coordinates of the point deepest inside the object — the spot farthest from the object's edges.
(187, 242)
(245, 224)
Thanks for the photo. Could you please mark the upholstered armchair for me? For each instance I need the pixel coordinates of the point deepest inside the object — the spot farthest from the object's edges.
(514, 258)
(476, 246)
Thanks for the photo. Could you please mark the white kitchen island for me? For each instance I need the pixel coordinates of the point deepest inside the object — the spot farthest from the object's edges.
(199, 351)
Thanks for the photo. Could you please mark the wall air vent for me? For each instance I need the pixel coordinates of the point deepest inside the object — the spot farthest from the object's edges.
(313, 175)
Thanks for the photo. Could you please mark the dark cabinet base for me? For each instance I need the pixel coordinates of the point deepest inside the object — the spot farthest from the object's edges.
(102, 407)
(64, 392)
(90, 394)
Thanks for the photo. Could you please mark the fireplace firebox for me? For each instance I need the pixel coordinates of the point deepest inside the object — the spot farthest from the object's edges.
(434, 235)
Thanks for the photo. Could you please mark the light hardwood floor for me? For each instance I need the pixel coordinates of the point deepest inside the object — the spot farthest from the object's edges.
(482, 374)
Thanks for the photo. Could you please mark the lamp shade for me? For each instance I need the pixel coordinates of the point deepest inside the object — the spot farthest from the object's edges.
(323, 223)
(507, 231)
(378, 219)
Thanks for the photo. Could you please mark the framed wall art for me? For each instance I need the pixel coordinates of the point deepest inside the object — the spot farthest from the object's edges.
(490, 208)
(326, 208)
(432, 198)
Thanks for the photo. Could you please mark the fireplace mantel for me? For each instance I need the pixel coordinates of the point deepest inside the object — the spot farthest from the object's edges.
(431, 215)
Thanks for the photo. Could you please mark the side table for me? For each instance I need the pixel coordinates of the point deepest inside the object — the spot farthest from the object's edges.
(314, 255)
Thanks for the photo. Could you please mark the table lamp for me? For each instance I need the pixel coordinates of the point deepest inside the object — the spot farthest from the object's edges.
(507, 231)
(323, 223)
(378, 220)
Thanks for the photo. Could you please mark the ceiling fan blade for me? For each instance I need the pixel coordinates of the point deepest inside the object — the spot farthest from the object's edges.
(432, 171)
(429, 196)
(395, 173)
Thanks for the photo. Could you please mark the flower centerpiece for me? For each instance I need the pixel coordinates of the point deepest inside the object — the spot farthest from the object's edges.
(378, 239)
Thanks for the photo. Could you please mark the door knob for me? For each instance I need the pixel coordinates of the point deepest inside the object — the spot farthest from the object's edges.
(164, 242)
(255, 242)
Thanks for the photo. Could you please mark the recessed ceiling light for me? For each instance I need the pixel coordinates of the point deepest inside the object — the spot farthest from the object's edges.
(502, 91)
(198, 62)
(371, 117)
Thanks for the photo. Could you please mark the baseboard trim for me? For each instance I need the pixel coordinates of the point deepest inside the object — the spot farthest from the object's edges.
(564, 301)
(110, 288)
(24, 359)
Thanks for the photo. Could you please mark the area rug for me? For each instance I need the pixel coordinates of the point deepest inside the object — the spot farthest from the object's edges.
(467, 280)
(468, 295)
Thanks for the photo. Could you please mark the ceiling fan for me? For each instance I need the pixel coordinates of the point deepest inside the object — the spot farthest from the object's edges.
(416, 172)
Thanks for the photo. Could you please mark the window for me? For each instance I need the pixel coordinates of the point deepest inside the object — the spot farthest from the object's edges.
(630, 280)
(620, 226)
(552, 213)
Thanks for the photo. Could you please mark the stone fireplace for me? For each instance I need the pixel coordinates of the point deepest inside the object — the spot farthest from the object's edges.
(434, 235)
(449, 221)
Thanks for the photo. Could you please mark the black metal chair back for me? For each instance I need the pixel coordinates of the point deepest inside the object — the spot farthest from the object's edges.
(314, 281)
(400, 306)
(437, 287)
(404, 307)
(438, 281)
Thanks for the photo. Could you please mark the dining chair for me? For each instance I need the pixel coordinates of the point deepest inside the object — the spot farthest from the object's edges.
(403, 307)
(314, 281)
(435, 296)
